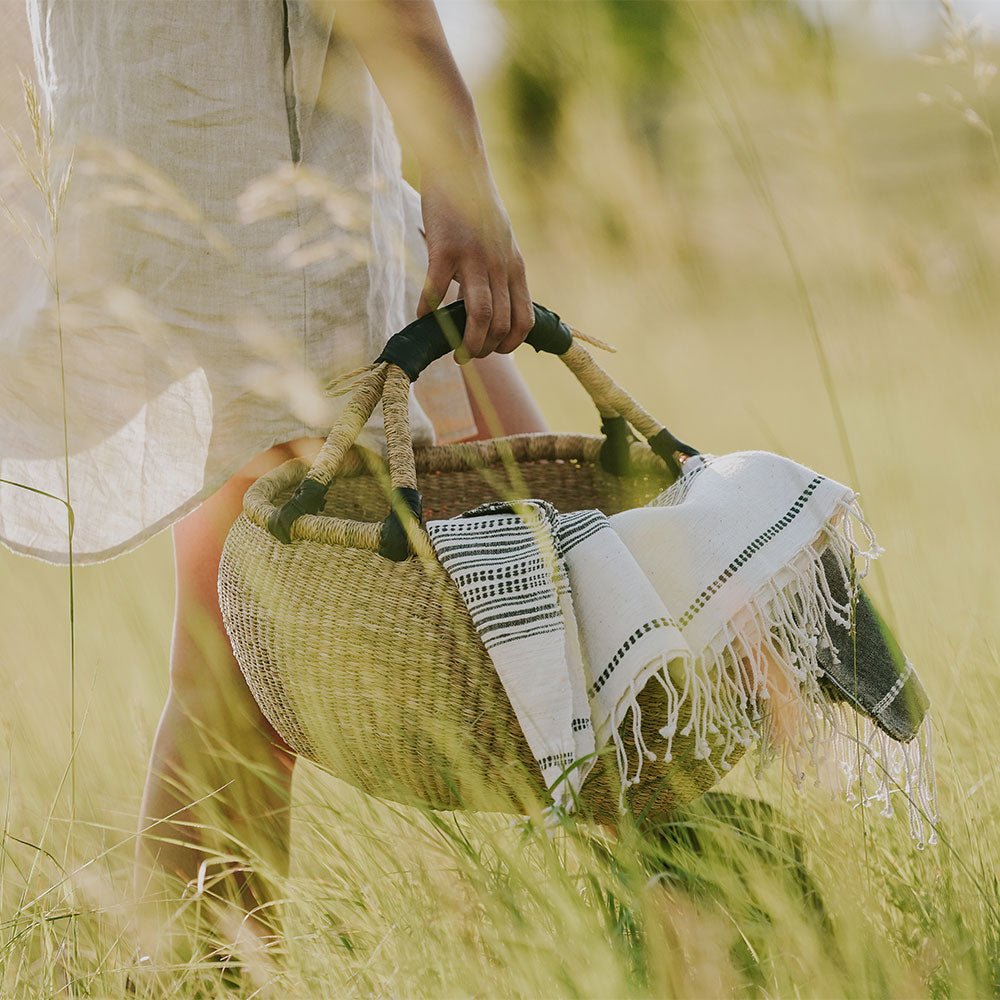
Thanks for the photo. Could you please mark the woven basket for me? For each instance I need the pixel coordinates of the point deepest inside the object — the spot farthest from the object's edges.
(368, 663)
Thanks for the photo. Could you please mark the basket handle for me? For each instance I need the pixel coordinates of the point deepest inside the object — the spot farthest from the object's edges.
(405, 356)
(440, 332)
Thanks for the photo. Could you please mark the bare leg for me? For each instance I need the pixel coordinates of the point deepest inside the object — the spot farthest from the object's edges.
(217, 796)
(501, 402)
(218, 790)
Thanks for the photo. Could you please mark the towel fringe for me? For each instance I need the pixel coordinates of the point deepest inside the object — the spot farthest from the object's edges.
(759, 678)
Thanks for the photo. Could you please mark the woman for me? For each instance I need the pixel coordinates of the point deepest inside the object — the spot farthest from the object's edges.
(162, 277)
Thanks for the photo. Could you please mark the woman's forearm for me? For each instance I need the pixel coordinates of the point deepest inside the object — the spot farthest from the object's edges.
(469, 238)
(404, 46)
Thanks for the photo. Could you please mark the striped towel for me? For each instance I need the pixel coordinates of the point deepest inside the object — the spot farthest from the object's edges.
(732, 590)
(512, 564)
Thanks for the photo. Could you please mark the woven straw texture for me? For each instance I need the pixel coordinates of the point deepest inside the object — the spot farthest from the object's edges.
(372, 668)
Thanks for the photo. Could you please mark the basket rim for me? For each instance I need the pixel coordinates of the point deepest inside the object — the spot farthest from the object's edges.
(259, 506)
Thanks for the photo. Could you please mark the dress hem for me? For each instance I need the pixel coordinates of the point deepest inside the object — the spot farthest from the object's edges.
(61, 558)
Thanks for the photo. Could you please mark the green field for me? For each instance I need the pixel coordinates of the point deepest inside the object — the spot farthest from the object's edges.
(782, 196)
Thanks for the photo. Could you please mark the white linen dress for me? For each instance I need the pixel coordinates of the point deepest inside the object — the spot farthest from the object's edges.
(235, 233)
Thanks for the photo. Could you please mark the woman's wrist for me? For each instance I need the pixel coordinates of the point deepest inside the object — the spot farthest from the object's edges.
(456, 142)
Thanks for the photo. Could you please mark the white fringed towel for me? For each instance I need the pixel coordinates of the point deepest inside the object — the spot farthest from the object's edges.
(716, 590)
(514, 572)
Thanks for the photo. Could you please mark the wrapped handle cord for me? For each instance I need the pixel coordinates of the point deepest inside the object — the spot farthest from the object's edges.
(403, 358)
(440, 332)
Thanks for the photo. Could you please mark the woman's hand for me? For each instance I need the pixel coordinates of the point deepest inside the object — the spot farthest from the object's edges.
(469, 240)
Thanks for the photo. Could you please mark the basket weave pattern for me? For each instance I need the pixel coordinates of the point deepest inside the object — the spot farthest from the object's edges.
(373, 669)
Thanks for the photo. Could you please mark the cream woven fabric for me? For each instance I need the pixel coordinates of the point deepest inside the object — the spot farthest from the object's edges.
(716, 591)
(209, 288)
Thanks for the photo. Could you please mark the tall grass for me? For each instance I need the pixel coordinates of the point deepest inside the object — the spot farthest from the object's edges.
(889, 204)
(51, 185)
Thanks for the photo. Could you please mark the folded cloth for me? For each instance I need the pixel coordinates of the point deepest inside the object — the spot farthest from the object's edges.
(734, 589)
(513, 580)
(512, 564)
(866, 668)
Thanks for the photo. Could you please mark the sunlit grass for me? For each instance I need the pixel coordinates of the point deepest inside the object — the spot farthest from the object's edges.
(889, 208)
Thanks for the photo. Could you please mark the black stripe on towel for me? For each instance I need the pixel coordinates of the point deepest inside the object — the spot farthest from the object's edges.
(642, 630)
(749, 552)
(562, 760)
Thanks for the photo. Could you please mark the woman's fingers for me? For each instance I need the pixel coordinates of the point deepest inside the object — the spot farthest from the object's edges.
(499, 315)
(499, 310)
(522, 311)
(500, 323)
(522, 320)
(478, 316)
(440, 271)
